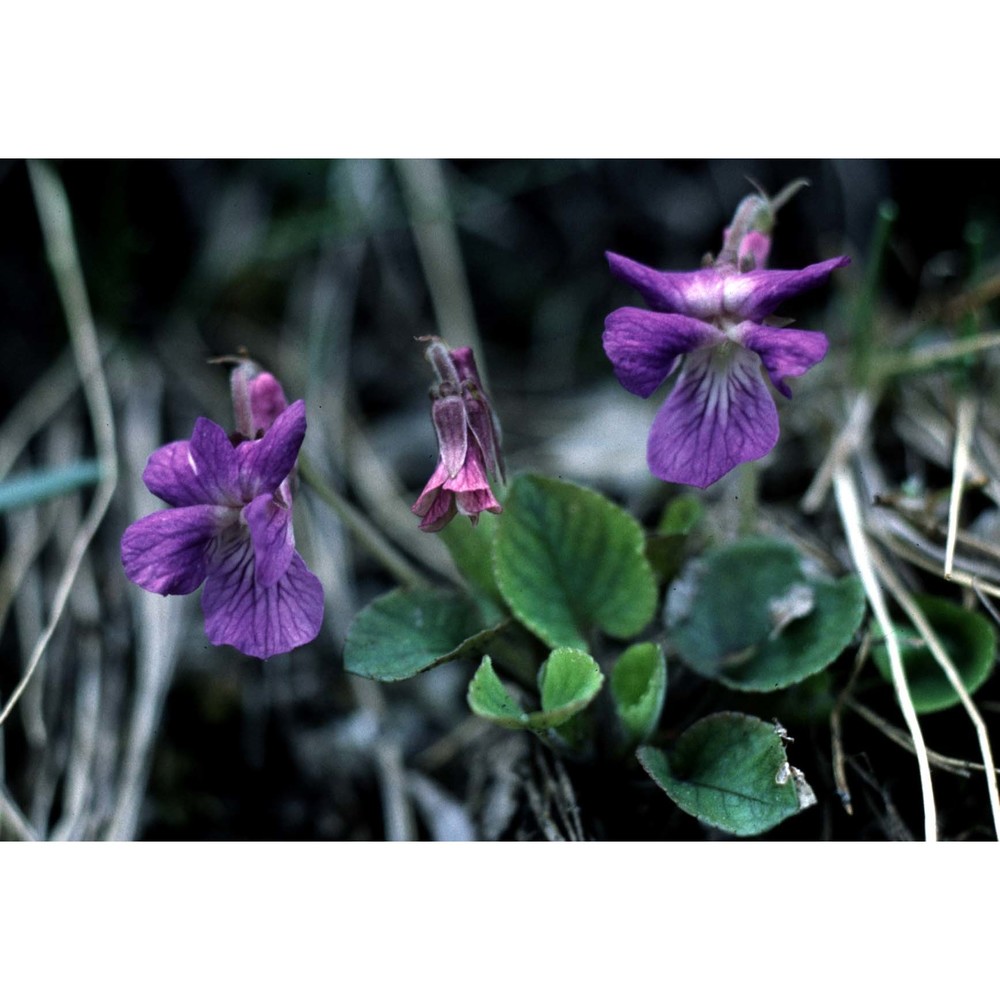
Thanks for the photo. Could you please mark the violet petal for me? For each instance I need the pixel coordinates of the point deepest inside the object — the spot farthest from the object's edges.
(271, 533)
(465, 365)
(264, 463)
(719, 414)
(437, 508)
(486, 429)
(784, 351)
(756, 294)
(474, 502)
(643, 346)
(171, 475)
(694, 293)
(448, 416)
(169, 552)
(430, 492)
(260, 621)
(213, 458)
(472, 475)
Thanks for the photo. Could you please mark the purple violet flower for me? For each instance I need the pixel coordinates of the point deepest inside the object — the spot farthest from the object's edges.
(230, 524)
(468, 436)
(720, 412)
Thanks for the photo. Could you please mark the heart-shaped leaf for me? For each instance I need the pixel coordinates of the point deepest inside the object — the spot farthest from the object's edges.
(967, 637)
(569, 680)
(471, 550)
(731, 771)
(407, 631)
(639, 687)
(756, 616)
(567, 560)
(489, 699)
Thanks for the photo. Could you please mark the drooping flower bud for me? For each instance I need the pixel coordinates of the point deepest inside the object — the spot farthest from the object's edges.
(468, 436)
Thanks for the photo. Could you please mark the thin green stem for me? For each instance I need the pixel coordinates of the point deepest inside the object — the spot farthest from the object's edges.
(363, 530)
(747, 498)
(863, 344)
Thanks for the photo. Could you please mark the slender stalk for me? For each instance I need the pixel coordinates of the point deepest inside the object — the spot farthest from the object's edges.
(862, 342)
(922, 358)
(361, 528)
(747, 500)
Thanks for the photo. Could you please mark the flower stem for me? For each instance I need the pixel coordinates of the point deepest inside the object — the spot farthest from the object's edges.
(362, 529)
(747, 498)
(864, 313)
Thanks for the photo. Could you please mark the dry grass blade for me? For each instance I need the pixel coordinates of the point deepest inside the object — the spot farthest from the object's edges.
(913, 553)
(966, 421)
(57, 231)
(851, 517)
(939, 653)
(846, 444)
(157, 622)
(953, 765)
(13, 818)
(928, 357)
(839, 770)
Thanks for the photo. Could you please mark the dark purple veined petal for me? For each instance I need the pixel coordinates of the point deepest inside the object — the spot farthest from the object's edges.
(214, 459)
(465, 366)
(756, 294)
(693, 293)
(451, 426)
(169, 552)
(644, 346)
(264, 463)
(472, 475)
(428, 495)
(474, 502)
(784, 351)
(435, 507)
(273, 540)
(170, 475)
(486, 430)
(260, 621)
(719, 414)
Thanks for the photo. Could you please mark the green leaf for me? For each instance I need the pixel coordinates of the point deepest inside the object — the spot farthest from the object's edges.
(567, 560)
(489, 699)
(967, 637)
(731, 771)
(639, 687)
(471, 551)
(680, 516)
(756, 617)
(407, 631)
(36, 487)
(569, 681)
